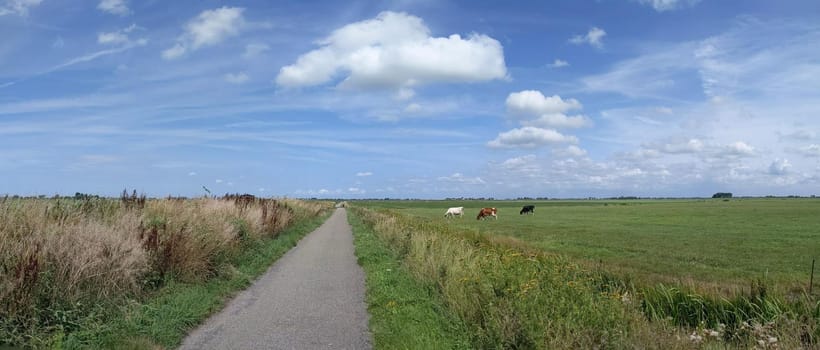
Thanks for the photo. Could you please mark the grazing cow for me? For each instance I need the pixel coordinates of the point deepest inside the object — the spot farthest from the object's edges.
(454, 211)
(527, 209)
(487, 212)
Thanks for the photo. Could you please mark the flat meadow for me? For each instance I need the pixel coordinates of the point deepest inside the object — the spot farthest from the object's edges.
(710, 245)
(667, 274)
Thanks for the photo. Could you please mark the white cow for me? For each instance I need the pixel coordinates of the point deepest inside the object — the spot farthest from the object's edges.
(454, 211)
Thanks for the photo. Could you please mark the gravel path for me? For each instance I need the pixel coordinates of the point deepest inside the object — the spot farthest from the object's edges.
(311, 298)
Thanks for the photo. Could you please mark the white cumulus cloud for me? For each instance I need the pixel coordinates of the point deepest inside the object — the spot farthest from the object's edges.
(530, 137)
(532, 108)
(395, 50)
(571, 151)
(812, 150)
(593, 37)
(116, 7)
(364, 173)
(739, 148)
(779, 167)
(682, 147)
(209, 28)
(531, 102)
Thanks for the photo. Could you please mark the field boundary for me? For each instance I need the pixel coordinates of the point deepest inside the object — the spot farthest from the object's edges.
(471, 271)
(403, 313)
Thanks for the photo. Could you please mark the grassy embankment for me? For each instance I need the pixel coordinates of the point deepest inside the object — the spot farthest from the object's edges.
(714, 246)
(404, 314)
(133, 274)
(512, 293)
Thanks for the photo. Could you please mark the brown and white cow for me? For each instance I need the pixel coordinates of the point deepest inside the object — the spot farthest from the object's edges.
(484, 212)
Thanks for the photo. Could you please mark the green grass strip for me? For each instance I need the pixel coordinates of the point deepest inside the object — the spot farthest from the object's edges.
(164, 320)
(403, 313)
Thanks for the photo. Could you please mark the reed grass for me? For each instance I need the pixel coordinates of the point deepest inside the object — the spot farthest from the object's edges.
(63, 261)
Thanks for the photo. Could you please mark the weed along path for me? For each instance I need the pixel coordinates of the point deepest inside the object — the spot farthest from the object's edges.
(311, 298)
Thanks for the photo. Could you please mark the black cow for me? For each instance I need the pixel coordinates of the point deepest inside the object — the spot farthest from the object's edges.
(527, 209)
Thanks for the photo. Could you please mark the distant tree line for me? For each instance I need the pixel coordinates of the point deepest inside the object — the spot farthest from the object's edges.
(722, 195)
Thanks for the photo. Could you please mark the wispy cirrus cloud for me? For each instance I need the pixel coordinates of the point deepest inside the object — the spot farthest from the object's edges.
(668, 5)
(558, 63)
(17, 7)
(117, 37)
(236, 78)
(115, 7)
(208, 28)
(461, 179)
(594, 37)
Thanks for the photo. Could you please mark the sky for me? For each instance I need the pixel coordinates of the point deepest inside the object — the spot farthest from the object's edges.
(410, 98)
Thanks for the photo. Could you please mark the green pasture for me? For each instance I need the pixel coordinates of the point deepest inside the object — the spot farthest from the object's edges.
(709, 244)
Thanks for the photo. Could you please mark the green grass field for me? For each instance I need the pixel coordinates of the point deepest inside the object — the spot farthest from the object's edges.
(711, 245)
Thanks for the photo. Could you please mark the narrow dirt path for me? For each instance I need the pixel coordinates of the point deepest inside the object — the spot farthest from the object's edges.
(311, 298)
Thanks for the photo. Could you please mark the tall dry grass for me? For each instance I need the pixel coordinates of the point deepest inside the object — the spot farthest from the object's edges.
(61, 255)
(512, 295)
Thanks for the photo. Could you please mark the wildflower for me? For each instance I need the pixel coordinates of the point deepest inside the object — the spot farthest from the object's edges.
(761, 342)
(695, 338)
(712, 333)
(625, 298)
(772, 340)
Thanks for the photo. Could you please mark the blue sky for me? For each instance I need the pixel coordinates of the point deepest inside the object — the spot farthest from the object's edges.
(422, 99)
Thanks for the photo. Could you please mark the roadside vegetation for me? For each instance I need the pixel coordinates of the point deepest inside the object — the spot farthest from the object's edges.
(403, 313)
(134, 272)
(512, 293)
(713, 246)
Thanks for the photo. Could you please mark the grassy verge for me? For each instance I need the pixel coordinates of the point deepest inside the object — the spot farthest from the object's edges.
(711, 246)
(403, 313)
(510, 294)
(164, 320)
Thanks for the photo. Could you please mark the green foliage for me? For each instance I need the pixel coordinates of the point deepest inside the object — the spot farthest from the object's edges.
(403, 313)
(509, 296)
(714, 247)
(624, 251)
